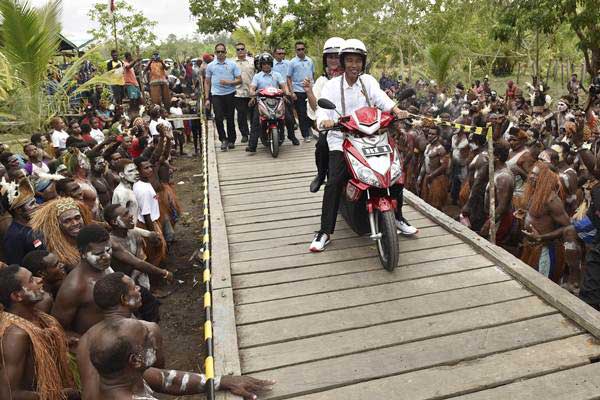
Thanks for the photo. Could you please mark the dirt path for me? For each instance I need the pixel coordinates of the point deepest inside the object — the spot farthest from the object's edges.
(182, 313)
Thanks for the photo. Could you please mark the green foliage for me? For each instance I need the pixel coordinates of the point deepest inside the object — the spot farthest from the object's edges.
(30, 39)
(438, 61)
(134, 29)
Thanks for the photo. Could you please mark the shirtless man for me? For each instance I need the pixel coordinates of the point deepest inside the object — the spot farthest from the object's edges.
(458, 163)
(433, 179)
(74, 307)
(89, 194)
(98, 180)
(33, 346)
(123, 354)
(123, 194)
(473, 211)
(545, 222)
(45, 265)
(568, 176)
(118, 297)
(504, 184)
(520, 161)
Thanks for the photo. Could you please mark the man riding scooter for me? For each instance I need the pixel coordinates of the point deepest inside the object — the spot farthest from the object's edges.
(348, 93)
(264, 79)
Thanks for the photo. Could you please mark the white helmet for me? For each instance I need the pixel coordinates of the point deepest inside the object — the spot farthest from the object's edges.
(333, 45)
(353, 46)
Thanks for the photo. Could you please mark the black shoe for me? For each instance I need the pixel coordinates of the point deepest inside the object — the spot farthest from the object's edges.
(250, 150)
(224, 146)
(231, 145)
(244, 139)
(295, 141)
(316, 183)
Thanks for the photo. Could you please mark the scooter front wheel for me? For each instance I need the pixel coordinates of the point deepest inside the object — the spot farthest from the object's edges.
(387, 245)
(274, 142)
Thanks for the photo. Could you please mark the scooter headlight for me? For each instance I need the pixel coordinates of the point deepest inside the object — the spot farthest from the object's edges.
(363, 173)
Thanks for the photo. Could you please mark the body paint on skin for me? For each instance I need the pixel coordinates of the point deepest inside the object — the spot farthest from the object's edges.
(184, 382)
(170, 377)
(33, 295)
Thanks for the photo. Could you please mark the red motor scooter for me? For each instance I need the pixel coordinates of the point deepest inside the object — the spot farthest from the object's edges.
(271, 114)
(374, 164)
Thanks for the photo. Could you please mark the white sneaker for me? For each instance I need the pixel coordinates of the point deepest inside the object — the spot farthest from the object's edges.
(405, 228)
(319, 243)
(307, 139)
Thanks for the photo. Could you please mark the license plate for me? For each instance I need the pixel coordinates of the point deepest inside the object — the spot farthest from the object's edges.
(377, 151)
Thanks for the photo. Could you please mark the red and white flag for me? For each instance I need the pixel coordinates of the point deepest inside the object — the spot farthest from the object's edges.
(111, 6)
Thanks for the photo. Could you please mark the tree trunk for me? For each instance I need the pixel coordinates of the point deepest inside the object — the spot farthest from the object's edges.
(537, 54)
(401, 61)
(555, 70)
(518, 72)
(548, 71)
(562, 74)
(410, 59)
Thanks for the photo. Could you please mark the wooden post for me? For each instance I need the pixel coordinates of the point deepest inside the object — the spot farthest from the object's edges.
(518, 72)
(555, 70)
(492, 186)
(548, 71)
(114, 26)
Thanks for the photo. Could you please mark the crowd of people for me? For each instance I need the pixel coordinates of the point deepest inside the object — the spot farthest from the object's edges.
(89, 207)
(545, 168)
(88, 211)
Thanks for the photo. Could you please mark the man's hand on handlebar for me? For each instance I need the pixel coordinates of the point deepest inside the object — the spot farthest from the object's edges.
(327, 124)
(400, 114)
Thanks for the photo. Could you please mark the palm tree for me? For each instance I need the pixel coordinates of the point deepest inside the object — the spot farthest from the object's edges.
(30, 40)
(438, 59)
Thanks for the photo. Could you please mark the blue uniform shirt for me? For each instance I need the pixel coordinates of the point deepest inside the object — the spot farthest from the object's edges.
(298, 70)
(281, 67)
(263, 80)
(226, 70)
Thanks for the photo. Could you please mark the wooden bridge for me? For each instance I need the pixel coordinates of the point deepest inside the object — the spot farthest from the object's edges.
(459, 318)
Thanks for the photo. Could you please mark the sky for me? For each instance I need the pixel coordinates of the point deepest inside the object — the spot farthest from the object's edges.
(173, 16)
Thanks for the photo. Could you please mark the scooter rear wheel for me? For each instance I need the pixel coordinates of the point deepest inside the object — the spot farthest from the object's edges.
(274, 142)
(387, 246)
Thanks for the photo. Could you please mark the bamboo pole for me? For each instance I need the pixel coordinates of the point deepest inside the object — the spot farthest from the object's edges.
(492, 186)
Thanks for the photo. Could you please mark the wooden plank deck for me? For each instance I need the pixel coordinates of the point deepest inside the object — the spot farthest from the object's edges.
(459, 318)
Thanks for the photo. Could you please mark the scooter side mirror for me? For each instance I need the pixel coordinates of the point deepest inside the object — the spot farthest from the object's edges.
(326, 104)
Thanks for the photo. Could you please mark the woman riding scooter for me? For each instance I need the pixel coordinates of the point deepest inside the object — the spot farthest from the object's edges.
(348, 93)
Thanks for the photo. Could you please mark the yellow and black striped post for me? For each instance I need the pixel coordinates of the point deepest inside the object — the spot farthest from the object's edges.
(209, 364)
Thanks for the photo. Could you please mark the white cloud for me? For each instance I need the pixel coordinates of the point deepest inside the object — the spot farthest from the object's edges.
(173, 16)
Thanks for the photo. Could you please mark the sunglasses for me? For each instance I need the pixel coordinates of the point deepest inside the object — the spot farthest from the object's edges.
(300, 49)
(280, 53)
(221, 51)
(240, 49)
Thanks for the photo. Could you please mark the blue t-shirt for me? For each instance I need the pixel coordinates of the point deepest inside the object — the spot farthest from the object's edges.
(217, 71)
(18, 241)
(263, 80)
(299, 70)
(281, 67)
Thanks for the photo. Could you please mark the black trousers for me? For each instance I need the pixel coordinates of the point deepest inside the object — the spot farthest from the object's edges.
(224, 108)
(322, 155)
(303, 120)
(337, 176)
(179, 139)
(243, 110)
(196, 132)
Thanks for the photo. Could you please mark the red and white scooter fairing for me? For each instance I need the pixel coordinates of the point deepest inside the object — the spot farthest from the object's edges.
(375, 166)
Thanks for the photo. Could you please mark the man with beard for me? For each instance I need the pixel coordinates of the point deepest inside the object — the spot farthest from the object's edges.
(545, 222)
(33, 346)
(123, 194)
(74, 306)
(20, 202)
(45, 265)
(123, 353)
(433, 179)
(118, 297)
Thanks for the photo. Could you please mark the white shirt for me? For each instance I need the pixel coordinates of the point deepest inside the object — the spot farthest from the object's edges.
(59, 139)
(147, 201)
(124, 196)
(97, 135)
(178, 123)
(152, 128)
(317, 89)
(354, 99)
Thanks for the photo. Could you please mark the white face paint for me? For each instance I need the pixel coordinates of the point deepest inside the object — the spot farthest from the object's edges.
(562, 107)
(473, 146)
(464, 112)
(121, 223)
(99, 261)
(184, 382)
(130, 173)
(33, 295)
